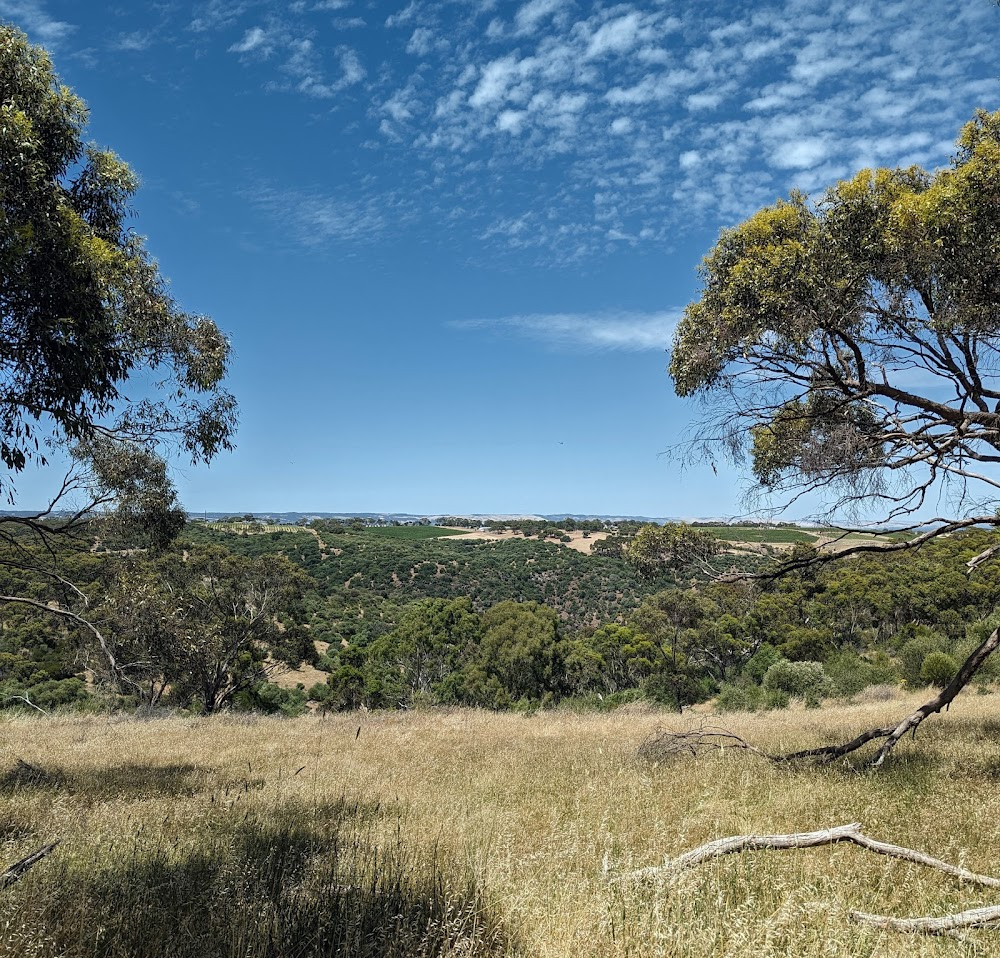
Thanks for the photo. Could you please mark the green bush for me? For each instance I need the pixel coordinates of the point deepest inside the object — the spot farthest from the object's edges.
(850, 673)
(938, 668)
(739, 698)
(913, 653)
(796, 679)
(775, 699)
(761, 661)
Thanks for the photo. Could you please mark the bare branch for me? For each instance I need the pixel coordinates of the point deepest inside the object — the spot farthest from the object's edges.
(851, 833)
(946, 924)
(18, 870)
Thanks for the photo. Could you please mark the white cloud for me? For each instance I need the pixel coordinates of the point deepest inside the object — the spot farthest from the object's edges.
(533, 13)
(254, 39)
(801, 154)
(557, 129)
(352, 70)
(32, 17)
(316, 219)
(134, 42)
(511, 120)
(421, 42)
(689, 159)
(404, 16)
(216, 14)
(497, 79)
(618, 35)
(625, 331)
(704, 101)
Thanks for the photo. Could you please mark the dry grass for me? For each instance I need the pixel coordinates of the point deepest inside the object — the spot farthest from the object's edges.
(577, 539)
(517, 822)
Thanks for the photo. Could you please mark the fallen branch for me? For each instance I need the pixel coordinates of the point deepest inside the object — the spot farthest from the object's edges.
(18, 870)
(665, 743)
(926, 925)
(828, 836)
(946, 924)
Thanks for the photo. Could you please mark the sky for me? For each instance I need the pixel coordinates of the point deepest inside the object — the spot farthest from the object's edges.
(450, 239)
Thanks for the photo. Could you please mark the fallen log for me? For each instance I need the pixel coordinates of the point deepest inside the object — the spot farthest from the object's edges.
(735, 844)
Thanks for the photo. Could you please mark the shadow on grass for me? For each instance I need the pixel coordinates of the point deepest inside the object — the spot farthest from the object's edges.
(128, 781)
(290, 882)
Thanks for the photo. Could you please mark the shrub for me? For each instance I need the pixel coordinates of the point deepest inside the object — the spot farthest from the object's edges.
(796, 679)
(761, 661)
(850, 673)
(775, 699)
(913, 653)
(739, 698)
(938, 668)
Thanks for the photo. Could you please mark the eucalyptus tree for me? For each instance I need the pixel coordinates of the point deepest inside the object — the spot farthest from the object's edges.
(849, 346)
(96, 358)
(83, 306)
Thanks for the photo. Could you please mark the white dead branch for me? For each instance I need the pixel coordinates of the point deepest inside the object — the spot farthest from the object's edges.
(851, 833)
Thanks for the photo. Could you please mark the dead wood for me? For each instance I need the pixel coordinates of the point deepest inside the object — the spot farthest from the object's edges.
(945, 925)
(827, 836)
(927, 925)
(18, 870)
(666, 743)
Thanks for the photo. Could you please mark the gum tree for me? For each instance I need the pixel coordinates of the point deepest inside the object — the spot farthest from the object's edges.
(84, 310)
(849, 346)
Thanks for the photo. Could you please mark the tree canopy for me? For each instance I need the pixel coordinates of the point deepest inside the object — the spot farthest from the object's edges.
(851, 343)
(83, 307)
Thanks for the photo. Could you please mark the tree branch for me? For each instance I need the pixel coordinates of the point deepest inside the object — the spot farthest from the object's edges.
(737, 844)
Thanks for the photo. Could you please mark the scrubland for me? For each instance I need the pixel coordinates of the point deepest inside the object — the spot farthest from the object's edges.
(474, 833)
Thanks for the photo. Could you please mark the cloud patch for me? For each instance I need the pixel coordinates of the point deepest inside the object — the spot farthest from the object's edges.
(33, 17)
(617, 331)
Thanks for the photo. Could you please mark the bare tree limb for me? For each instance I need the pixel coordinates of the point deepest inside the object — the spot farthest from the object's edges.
(851, 833)
(18, 870)
(965, 673)
(72, 617)
(736, 844)
(946, 924)
(666, 743)
(24, 698)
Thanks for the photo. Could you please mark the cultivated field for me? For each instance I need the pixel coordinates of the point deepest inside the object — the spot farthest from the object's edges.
(579, 541)
(470, 833)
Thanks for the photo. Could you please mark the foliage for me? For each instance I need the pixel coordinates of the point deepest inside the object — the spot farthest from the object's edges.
(796, 679)
(83, 306)
(358, 570)
(412, 532)
(657, 549)
(938, 668)
(848, 345)
(813, 316)
(198, 625)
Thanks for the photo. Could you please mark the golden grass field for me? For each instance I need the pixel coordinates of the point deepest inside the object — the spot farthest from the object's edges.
(473, 833)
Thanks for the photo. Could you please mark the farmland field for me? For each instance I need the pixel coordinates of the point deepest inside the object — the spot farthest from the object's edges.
(413, 533)
(473, 833)
(759, 534)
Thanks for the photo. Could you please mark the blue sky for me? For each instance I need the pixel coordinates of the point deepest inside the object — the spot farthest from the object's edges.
(449, 239)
